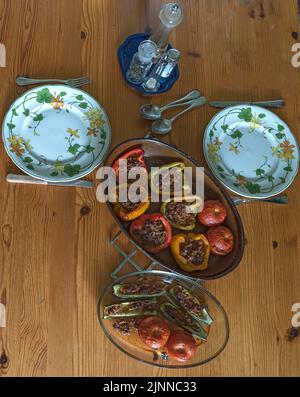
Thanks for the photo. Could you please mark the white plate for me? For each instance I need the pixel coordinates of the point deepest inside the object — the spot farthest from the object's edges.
(56, 133)
(251, 151)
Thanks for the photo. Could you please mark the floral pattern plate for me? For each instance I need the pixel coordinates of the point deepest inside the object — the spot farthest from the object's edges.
(251, 151)
(56, 133)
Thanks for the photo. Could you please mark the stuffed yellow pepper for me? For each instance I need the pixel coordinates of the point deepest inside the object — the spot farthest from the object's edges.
(191, 251)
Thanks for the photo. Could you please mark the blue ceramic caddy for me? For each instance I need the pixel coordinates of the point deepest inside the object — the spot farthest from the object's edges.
(125, 54)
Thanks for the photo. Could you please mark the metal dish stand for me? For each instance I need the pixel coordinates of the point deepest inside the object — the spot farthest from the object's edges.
(128, 262)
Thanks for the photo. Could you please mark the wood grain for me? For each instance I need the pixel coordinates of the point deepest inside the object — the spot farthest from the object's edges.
(55, 257)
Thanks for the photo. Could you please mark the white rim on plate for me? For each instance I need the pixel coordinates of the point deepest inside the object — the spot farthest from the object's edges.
(251, 151)
(56, 133)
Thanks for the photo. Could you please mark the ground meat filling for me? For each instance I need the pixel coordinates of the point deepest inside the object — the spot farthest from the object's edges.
(187, 301)
(193, 251)
(133, 307)
(113, 310)
(129, 206)
(178, 315)
(132, 162)
(170, 178)
(177, 212)
(145, 288)
(153, 233)
(143, 305)
(125, 326)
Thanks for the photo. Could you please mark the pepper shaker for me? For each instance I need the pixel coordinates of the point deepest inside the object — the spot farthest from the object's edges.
(142, 62)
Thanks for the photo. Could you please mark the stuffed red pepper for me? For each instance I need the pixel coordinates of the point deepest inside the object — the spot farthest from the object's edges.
(152, 231)
(135, 158)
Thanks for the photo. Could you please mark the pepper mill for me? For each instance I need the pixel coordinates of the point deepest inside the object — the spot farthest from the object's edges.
(170, 16)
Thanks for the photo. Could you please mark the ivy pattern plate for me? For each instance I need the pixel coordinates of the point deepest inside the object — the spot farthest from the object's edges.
(251, 151)
(56, 133)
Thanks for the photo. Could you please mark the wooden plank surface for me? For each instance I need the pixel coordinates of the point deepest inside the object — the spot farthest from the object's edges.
(55, 255)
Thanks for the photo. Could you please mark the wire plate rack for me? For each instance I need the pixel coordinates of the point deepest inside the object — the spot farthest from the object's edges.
(136, 260)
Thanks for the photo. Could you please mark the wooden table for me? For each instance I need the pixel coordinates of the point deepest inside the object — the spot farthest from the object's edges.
(55, 254)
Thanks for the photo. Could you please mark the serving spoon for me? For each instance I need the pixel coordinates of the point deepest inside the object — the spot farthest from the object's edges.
(153, 112)
(164, 126)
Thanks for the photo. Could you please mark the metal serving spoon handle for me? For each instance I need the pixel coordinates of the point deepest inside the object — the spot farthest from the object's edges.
(190, 96)
(179, 104)
(272, 200)
(194, 104)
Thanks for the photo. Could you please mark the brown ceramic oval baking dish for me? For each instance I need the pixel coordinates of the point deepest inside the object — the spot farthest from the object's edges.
(158, 153)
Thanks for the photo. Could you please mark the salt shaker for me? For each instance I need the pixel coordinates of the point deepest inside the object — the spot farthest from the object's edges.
(142, 62)
(173, 57)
